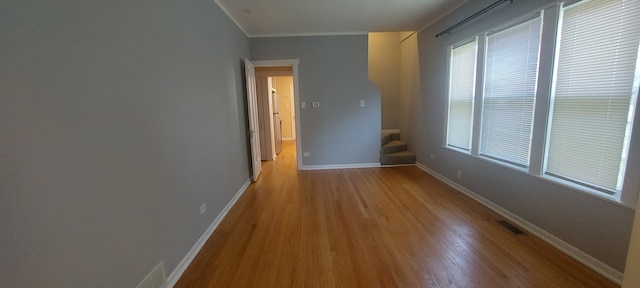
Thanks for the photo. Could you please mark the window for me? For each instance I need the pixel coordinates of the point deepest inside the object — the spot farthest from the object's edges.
(511, 74)
(462, 81)
(580, 91)
(595, 93)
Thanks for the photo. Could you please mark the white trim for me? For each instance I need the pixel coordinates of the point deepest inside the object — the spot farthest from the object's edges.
(478, 95)
(182, 266)
(340, 166)
(275, 63)
(584, 258)
(298, 113)
(310, 34)
(231, 17)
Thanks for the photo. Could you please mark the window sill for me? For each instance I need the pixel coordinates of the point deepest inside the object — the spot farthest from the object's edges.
(459, 150)
(614, 199)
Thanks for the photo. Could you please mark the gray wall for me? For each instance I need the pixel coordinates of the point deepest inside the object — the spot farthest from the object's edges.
(333, 71)
(599, 228)
(118, 119)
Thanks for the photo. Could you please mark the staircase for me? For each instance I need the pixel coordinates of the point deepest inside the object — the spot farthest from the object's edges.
(394, 151)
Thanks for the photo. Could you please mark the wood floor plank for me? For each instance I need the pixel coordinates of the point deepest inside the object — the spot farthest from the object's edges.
(377, 227)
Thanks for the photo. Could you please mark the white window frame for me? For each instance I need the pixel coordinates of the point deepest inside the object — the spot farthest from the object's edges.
(628, 194)
(448, 102)
(482, 97)
(547, 67)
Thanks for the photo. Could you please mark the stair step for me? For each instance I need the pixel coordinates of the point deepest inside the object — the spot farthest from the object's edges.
(394, 146)
(397, 158)
(389, 136)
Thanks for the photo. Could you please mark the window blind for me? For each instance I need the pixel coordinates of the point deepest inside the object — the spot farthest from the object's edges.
(596, 88)
(511, 74)
(461, 93)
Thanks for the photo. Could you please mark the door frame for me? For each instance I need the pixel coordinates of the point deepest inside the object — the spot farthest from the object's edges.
(293, 63)
(293, 110)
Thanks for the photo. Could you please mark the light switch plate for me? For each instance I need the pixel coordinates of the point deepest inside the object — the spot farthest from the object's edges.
(315, 104)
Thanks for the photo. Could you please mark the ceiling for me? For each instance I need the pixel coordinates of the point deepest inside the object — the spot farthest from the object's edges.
(333, 17)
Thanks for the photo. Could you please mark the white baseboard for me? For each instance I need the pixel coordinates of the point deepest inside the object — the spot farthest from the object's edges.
(340, 166)
(182, 266)
(391, 130)
(584, 258)
(288, 139)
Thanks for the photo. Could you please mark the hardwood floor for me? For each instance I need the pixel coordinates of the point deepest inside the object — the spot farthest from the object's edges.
(378, 227)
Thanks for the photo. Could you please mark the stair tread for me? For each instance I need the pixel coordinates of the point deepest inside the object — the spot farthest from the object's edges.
(401, 153)
(387, 136)
(394, 143)
(389, 133)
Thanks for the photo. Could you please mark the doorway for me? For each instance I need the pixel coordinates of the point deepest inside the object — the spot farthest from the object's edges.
(278, 102)
(285, 103)
(284, 125)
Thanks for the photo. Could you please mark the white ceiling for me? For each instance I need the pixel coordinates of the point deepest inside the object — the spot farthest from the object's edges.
(319, 17)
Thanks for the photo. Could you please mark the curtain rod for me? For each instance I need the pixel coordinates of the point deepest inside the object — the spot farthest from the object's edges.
(475, 15)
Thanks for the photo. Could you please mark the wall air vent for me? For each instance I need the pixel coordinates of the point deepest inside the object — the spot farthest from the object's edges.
(510, 226)
(155, 279)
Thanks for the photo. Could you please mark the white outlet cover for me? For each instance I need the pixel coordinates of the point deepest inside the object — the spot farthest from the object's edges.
(305, 154)
(315, 104)
(361, 103)
(303, 105)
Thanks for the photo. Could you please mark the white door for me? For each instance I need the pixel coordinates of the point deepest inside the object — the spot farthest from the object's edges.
(252, 102)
